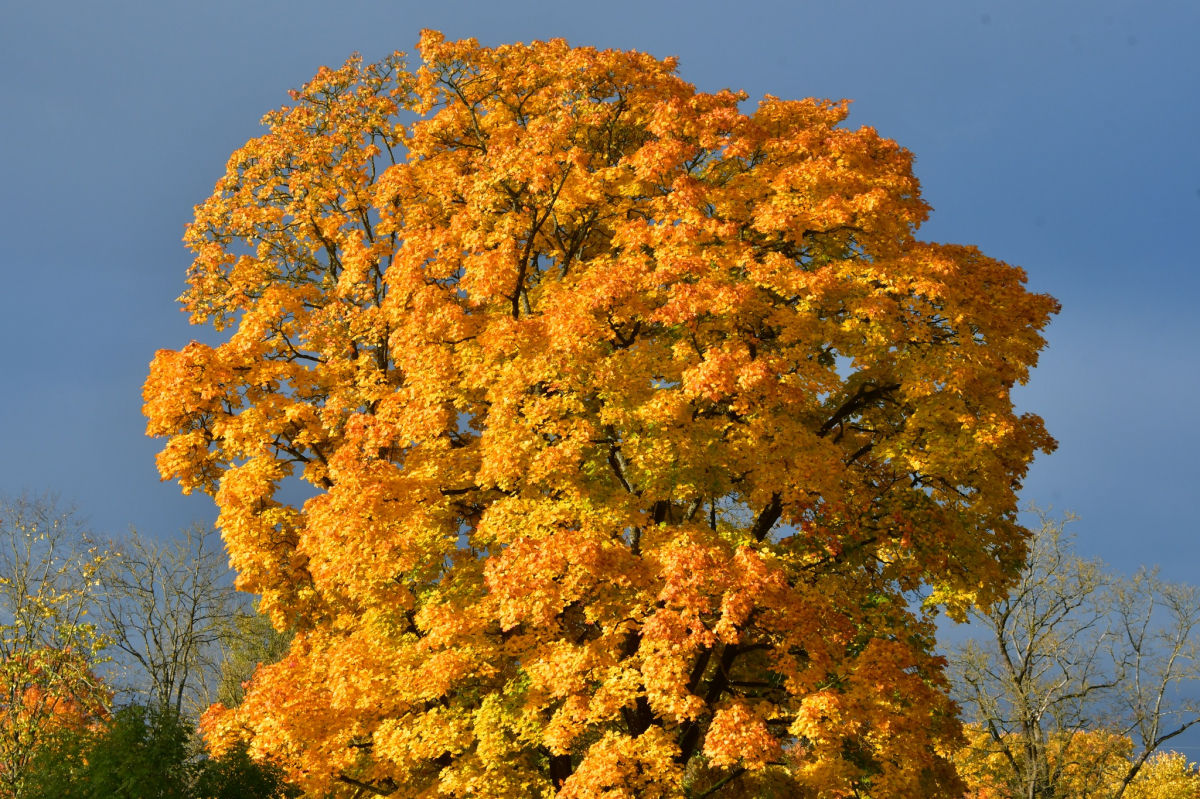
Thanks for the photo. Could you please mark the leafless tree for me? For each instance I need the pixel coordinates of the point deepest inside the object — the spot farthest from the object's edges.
(1156, 646)
(1074, 649)
(168, 608)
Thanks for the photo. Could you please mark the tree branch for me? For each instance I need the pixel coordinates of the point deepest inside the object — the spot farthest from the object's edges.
(366, 786)
(866, 394)
(718, 786)
(767, 518)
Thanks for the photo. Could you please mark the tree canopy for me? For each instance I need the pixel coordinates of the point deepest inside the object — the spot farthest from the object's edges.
(633, 423)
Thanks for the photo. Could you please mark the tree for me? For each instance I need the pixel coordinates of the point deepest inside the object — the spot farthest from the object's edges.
(236, 776)
(145, 752)
(252, 642)
(1087, 765)
(1076, 681)
(48, 645)
(633, 422)
(1166, 775)
(168, 609)
(142, 752)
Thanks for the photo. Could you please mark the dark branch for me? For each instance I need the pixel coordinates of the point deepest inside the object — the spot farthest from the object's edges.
(366, 786)
(689, 738)
(867, 394)
(615, 460)
(767, 518)
(719, 785)
(560, 768)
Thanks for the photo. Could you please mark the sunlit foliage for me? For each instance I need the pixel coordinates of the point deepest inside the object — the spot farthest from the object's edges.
(633, 422)
(1089, 764)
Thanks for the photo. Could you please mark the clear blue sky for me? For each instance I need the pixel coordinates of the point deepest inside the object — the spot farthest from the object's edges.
(1061, 136)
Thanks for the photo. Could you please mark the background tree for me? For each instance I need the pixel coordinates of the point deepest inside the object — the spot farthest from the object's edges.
(1166, 775)
(252, 642)
(634, 421)
(1086, 765)
(49, 646)
(1077, 679)
(145, 752)
(169, 608)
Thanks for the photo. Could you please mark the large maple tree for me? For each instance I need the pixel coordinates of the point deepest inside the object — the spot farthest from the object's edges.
(634, 424)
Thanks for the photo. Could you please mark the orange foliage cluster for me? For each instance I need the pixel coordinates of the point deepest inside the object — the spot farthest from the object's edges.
(54, 683)
(43, 692)
(632, 420)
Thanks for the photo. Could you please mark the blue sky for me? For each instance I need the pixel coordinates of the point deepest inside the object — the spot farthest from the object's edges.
(1060, 136)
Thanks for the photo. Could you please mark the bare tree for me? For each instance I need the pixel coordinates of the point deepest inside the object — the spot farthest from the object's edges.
(1075, 649)
(168, 608)
(1155, 646)
(48, 646)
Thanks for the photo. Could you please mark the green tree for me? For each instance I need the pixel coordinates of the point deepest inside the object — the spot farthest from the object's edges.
(145, 752)
(142, 752)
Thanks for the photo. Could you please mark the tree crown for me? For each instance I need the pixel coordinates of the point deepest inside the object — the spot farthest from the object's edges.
(632, 420)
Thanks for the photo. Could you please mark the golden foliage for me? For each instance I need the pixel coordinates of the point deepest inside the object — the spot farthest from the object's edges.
(632, 420)
(1084, 765)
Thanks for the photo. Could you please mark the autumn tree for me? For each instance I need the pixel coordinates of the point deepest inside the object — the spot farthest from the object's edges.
(1090, 764)
(1078, 677)
(49, 645)
(633, 423)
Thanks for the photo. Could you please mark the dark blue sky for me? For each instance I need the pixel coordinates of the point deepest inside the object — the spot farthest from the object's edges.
(1061, 136)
